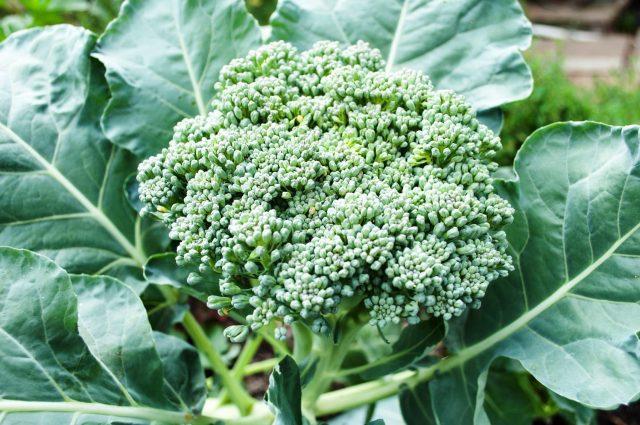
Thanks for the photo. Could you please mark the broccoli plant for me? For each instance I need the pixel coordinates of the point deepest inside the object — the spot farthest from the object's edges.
(319, 177)
(190, 199)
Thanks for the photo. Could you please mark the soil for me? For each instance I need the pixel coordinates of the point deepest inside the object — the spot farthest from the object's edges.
(626, 415)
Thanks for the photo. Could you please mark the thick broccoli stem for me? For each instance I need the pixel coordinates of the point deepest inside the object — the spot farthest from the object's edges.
(330, 354)
(303, 340)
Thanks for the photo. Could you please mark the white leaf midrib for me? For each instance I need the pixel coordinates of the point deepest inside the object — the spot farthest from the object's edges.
(92, 210)
(54, 217)
(39, 365)
(192, 77)
(393, 50)
(139, 412)
(86, 335)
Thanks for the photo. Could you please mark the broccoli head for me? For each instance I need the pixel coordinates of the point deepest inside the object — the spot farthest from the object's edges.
(319, 176)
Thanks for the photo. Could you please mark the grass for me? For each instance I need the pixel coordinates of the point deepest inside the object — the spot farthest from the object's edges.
(555, 98)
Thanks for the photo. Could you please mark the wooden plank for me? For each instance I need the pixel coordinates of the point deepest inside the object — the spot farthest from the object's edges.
(584, 60)
(597, 15)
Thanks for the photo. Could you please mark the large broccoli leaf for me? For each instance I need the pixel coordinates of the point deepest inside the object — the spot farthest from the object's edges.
(413, 345)
(86, 358)
(569, 313)
(162, 59)
(471, 46)
(61, 180)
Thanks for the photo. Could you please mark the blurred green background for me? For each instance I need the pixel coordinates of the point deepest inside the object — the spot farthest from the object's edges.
(20, 14)
(615, 100)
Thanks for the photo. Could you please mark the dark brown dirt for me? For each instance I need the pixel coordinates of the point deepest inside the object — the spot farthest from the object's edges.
(626, 415)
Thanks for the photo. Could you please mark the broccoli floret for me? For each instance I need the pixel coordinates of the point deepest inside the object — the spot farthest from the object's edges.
(318, 176)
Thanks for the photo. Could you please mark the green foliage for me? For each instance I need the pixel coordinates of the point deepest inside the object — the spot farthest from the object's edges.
(614, 101)
(413, 343)
(77, 343)
(511, 399)
(20, 14)
(285, 392)
(78, 216)
(86, 348)
(159, 81)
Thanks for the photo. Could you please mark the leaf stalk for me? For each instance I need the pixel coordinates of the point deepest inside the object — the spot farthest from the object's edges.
(236, 392)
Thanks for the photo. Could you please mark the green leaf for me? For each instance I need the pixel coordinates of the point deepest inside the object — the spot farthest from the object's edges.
(510, 399)
(574, 413)
(84, 357)
(113, 323)
(163, 313)
(285, 394)
(165, 317)
(471, 46)
(372, 345)
(570, 313)
(161, 269)
(414, 343)
(163, 58)
(61, 181)
(184, 380)
(41, 348)
(505, 173)
(492, 118)
(416, 403)
(131, 189)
